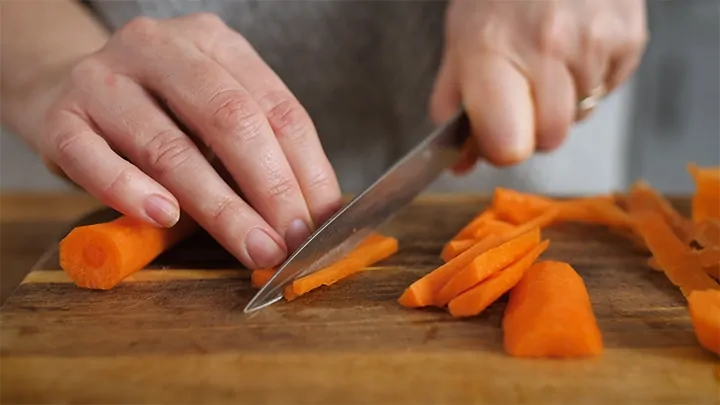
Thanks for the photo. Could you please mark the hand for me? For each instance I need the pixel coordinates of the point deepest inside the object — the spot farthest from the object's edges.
(134, 97)
(521, 69)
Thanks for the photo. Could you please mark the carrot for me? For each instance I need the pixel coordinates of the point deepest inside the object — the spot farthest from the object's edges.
(455, 247)
(371, 251)
(491, 227)
(673, 256)
(706, 200)
(518, 207)
(100, 256)
(478, 298)
(549, 314)
(468, 230)
(643, 195)
(486, 264)
(653, 264)
(707, 233)
(708, 257)
(704, 307)
(421, 293)
(260, 277)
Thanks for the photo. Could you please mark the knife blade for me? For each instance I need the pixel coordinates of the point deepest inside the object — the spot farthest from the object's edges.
(396, 188)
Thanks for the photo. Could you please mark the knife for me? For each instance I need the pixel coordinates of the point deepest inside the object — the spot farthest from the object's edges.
(396, 188)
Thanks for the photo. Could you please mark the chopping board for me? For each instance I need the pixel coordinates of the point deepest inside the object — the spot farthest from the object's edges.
(176, 333)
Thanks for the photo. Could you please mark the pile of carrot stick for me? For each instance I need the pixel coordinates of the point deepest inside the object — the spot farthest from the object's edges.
(498, 252)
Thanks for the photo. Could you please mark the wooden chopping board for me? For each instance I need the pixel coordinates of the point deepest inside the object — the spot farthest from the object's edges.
(175, 333)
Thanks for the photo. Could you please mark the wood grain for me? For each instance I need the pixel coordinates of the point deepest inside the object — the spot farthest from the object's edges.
(175, 333)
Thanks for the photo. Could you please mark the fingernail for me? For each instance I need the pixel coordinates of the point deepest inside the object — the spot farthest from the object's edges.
(296, 234)
(262, 249)
(161, 210)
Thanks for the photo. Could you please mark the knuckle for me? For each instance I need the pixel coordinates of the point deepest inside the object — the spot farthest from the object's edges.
(84, 69)
(236, 114)
(167, 151)
(139, 30)
(554, 38)
(118, 185)
(289, 119)
(320, 181)
(226, 207)
(280, 189)
(67, 144)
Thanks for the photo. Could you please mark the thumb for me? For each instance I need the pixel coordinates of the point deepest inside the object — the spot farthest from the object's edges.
(446, 97)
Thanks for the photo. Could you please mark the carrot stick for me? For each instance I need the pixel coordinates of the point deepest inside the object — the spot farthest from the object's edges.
(369, 252)
(549, 314)
(486, 264)
(704, 307)
(455, 247)
(468, 230)
(707, 233)
(421, 293)
(260, 277)
(682, 269)
(99, 256)
(706, 200)
(518, 207)
(478, 298)
(643, 195)
(491, 227)
(708, 257)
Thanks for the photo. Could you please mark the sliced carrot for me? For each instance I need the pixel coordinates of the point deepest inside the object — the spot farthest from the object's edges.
(706, 200)
(492, 227)
(517, 207)
(653, 264)
(468, 230)
(594, 210)
(549, 314)
(455, 247)
(643, 196)
(100, 256)
(708, 257)
(478, 298)
(421, 293)
(260, 277)
(673, 256)
(368, 253)
(486, 264)
(704, 307)
(707, 233)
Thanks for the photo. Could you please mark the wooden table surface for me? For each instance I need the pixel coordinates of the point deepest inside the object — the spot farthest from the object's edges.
(175, 332)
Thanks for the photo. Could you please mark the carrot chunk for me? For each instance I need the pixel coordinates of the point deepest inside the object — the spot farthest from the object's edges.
(100, 256)
(486, 264)
(421, 293)
(260, 277)
(704, 307)
(478, 298)
(371, 251)
(549, 314)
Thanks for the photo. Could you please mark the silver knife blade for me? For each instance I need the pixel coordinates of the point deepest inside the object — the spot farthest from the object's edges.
(397, 187)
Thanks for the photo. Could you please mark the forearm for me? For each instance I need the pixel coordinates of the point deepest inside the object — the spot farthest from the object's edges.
(40, 40)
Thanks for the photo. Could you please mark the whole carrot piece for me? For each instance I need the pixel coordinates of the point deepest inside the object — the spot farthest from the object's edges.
(549, 314)
(99, 256)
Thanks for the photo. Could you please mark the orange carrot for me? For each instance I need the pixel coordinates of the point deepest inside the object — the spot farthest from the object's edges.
(468, 230)
(682, 269)
(707, 233)
(476, 299)
(518, 207)
(708, 257)
(491, 227)
(706, 200)
(704, 307)
(371, 251)
(455, 247)
(549, 314)
(100, 256)
(645, 197)
(486, 264)
(653, 264)
(260, 277)
(421, 293)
